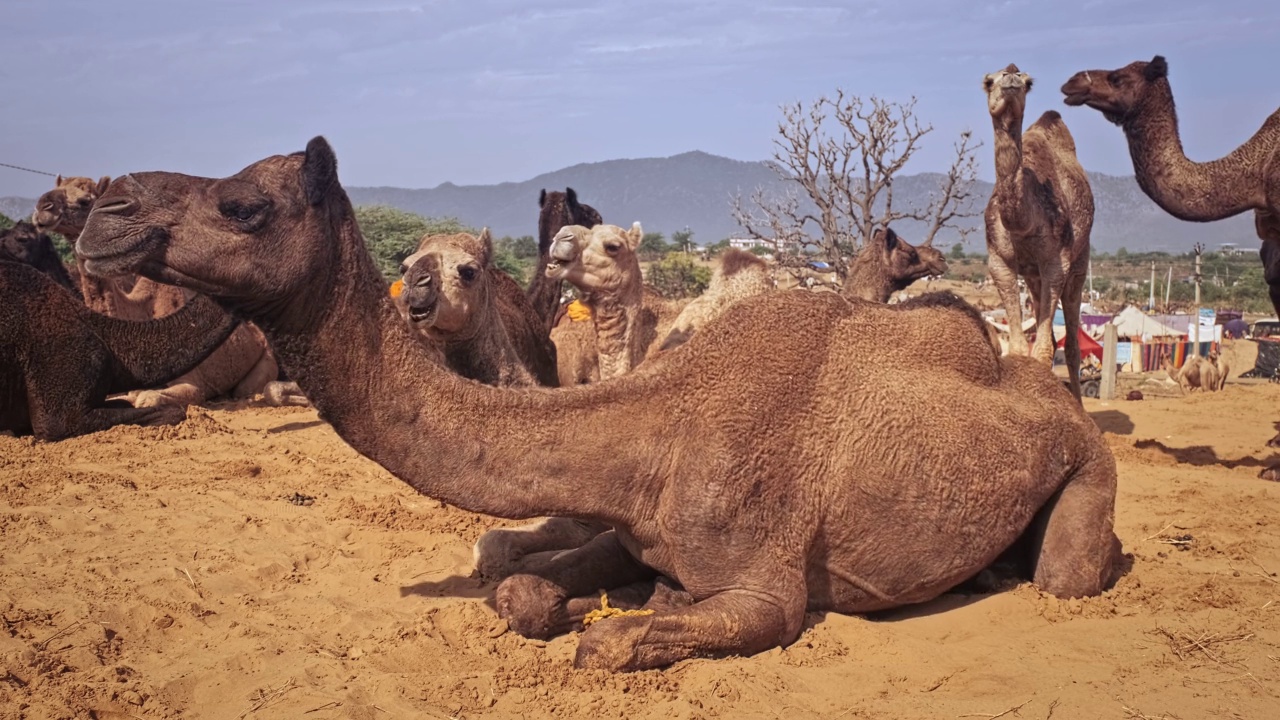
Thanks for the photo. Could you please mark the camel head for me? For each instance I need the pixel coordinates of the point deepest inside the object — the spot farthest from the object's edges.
(267, 233)
(1007, 92)
(65, 208)
(600, 259)
(558, 209)
(1117, 94)
(21, 243)
(905, 262)
(445, 282)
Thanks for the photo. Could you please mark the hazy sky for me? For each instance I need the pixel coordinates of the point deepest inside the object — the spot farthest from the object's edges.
(417, 93)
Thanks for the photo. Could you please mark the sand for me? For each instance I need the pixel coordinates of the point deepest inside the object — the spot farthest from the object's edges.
(178, 572)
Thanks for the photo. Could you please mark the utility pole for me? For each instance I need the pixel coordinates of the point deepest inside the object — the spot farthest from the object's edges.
(1168, 283)
(1151, 303)
(1195, 349)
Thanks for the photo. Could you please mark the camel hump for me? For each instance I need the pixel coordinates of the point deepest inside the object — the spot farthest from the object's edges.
(735, 261)
(1055, 128)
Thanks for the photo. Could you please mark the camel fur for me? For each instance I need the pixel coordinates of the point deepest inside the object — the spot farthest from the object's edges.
(814, 482)
(59, 360)
(1038, 220)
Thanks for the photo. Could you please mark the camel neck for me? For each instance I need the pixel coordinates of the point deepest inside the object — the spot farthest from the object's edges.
(1189, 190)
(1008, 189)
(867, 279)
(509, 453)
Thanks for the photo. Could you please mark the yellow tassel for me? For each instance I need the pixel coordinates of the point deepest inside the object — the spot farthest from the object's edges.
(396, 288)
(607, 612)
(578, 312)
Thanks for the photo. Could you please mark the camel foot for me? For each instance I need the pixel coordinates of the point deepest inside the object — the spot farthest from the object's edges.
(1274, 442)
(532, 606)
(1270, 474)
(502, 552)
(612, 644)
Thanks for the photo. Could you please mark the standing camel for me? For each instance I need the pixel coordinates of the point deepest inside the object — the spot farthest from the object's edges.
(556, 210)
(1038, 219)
(1137, 97)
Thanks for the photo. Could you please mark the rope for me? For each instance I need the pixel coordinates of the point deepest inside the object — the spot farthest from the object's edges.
(606, 611)
(38, 172)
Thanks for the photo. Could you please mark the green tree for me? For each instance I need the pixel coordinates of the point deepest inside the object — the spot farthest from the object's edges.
(652, 247)
(682, 240)
(1122, 255)
(760, 250)
(716, 248)
(391, 235)
(525, 247)
(5, 222)
(957, 252)
(678, 275)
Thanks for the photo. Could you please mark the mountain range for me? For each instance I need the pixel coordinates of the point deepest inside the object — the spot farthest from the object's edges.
(694, 190)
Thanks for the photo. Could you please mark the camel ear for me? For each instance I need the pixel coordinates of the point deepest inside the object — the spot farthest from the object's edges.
(319, 170)
(486, 247)
(103, 182)
(1028, 80)
(59, 182)
(1156, 69)
(542, 197)
(634, 235)
(571, 198)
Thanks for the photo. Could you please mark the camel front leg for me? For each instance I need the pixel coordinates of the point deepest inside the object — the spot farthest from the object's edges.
(733, 622)
(1045, 296)
(1071, 291)
(499, 552)
(1073, 540)
(536, 605)
(1006, 281)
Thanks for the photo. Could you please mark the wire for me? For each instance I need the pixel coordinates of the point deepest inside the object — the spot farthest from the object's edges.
(38, 172)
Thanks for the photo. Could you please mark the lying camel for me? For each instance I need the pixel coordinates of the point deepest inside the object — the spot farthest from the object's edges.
(814, 482)
(241, 368)
(888, 264)
(22, 243)
(1195, 373)
(738, 276)
(59, 360)
(476, 313)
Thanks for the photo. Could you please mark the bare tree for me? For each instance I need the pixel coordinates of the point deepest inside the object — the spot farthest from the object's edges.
(838, 159)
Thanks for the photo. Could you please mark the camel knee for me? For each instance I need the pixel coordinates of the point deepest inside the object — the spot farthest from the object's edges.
(532, 606)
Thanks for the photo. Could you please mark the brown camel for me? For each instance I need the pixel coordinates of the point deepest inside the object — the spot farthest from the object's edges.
(888, 264)
(1038, 219)
(22, 243)
(240, 368)
(1223, 366)
(628, 317)
(556, 209)
(738, 276)
(577, 358)
(1138, 98)
(476, 313)
(59, 360)
(707, 473)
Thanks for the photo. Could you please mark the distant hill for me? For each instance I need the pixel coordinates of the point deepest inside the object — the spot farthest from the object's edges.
(694, 189)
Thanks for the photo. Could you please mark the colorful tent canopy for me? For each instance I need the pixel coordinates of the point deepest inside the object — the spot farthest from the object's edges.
(1088, 346)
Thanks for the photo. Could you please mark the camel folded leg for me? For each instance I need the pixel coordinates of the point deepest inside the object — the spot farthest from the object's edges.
(280, 393)
(255, 381)
(734, 622)
(536, 606)
(49, 427)
(499, 552)
(1073, 544)
(179, 394)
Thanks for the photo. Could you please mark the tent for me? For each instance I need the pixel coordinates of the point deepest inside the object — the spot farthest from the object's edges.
(1133, 323)
(1088, 346)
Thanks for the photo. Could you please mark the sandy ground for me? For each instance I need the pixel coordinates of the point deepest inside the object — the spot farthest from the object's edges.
(164, 572)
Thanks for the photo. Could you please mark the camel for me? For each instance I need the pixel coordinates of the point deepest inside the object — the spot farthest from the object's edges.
(22, 243)
(242, 367)
(59, 360)
(1038, 219)
(738, 276)
(888, 264)
(476, 313)
(1138, 98)
(627, 316)
(556, 209)
(1223, 366)
(1196, 373)
(577, 358)
(813, 481)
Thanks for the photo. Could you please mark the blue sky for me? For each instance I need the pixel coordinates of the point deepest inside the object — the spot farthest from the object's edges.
(417, 93)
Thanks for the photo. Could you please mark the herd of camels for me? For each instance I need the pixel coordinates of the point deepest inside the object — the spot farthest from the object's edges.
(720, 468)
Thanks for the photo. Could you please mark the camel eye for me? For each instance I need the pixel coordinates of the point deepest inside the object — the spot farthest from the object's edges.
(1114, 78)
(612, 248)
(467, 273)
(239, 211)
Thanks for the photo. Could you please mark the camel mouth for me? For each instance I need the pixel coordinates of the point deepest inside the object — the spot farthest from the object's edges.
(107, 259)
(1076, 99)
(423, 316)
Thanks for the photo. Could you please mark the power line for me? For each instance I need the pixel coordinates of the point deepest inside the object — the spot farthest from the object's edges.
(38, 172)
